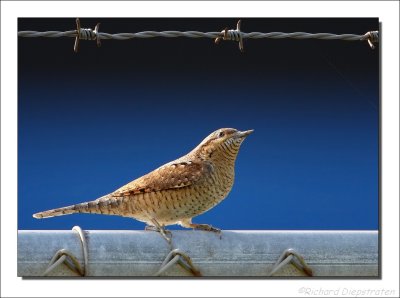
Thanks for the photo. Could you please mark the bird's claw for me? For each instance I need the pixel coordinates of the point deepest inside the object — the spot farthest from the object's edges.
(164, 235)
(210, 228)
(206, 227)
(215, 230)
(160, 229)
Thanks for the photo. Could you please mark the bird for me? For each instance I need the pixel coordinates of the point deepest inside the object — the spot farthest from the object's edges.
(175, 192)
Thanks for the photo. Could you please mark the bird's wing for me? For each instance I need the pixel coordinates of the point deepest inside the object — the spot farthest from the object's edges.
(173, 175)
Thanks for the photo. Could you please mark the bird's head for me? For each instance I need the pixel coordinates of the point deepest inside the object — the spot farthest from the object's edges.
(223, 143)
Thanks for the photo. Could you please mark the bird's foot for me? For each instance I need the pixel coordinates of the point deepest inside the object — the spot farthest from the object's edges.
(155, 229)
(187, 223)
(160, 229)
(209, 228)
(206, 227)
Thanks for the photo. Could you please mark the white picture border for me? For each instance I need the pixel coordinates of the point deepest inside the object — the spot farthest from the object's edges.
(13, 286)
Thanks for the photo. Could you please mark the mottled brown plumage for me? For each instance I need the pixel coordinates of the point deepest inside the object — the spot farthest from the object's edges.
(177, 191)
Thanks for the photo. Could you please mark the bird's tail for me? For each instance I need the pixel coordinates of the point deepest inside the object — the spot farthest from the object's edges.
(103, 205)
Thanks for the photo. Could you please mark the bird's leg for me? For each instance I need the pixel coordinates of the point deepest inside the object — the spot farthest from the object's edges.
(156, 227)
(187, 223)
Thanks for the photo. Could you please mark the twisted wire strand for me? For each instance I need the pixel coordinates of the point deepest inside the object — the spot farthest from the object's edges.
(197, 34)
(233, 34)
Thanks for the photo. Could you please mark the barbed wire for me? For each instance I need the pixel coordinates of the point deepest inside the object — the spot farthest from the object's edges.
(227, 34)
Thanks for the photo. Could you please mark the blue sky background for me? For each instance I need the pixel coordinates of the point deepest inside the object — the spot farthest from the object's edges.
(93, 121)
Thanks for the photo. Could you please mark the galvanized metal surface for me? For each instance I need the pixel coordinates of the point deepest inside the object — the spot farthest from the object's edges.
(237, 253)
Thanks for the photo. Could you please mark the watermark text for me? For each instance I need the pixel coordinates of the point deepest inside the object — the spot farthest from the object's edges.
(345, 291)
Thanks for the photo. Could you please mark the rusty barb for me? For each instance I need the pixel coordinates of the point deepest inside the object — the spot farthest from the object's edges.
(235, 35)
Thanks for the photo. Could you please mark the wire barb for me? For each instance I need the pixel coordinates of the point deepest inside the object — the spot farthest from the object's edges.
(287, 257)
(372, 37)
(86, 34)
(178, 256)
(65, 256)
(61, 257)
(235, 35)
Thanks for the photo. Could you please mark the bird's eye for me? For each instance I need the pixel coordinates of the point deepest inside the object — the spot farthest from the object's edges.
(221, 134)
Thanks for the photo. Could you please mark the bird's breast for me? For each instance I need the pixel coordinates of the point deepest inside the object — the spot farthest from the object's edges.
(172, 205)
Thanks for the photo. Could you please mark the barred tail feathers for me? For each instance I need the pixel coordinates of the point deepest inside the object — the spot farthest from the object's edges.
(58, 211)
(103, 205)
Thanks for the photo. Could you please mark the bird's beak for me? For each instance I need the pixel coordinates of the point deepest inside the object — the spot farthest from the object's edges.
(243, 134)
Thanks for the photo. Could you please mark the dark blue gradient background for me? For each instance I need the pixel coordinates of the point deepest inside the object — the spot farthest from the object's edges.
(93, 121)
